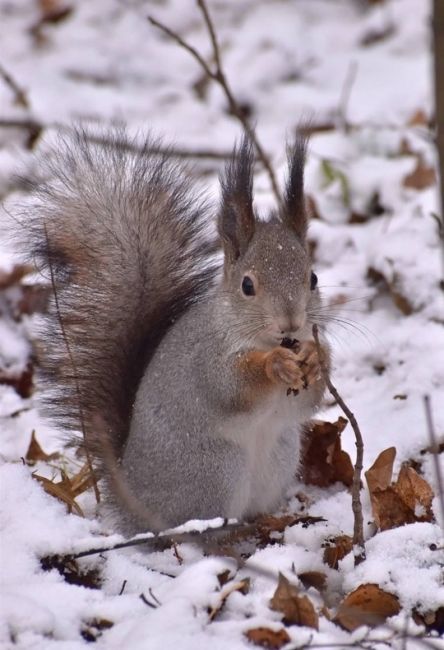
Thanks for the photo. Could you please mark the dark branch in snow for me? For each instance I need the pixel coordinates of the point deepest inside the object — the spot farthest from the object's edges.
(20, 96)
(358, 531)
(434, 447)
(34, 129)
(438, 33)
(165, 540)
(218, 76)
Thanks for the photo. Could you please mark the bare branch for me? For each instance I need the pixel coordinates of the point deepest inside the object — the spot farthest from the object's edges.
(165, 540)
(20, 97)
(435, 451)
(35, 128)
(438, 33)
(358, 531)
(219, 77)
(345, 96)
(169, 32)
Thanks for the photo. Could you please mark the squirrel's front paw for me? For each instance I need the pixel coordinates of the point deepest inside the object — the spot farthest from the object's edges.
(284, 366)
(308, 361)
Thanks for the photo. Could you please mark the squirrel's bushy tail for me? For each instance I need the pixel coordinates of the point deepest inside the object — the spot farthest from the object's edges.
(121, 237)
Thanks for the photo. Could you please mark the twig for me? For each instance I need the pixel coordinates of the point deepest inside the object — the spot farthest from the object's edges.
(20, 97)
(34, 129)
(144, 599)
(73, 365)
(218, 76)
(345, 95)
(438, 38)
(358, 529)
(435, 452)
(122, 588)
(165, 539)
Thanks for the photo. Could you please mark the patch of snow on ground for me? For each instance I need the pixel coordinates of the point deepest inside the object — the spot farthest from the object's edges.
(285, 61)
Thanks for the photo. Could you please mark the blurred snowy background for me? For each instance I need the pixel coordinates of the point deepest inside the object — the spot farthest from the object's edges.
(361, 73)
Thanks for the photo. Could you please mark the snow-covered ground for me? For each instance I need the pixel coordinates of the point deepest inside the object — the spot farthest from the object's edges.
(364, 72)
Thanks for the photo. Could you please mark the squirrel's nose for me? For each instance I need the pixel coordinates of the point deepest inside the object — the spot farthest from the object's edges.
(290, 326)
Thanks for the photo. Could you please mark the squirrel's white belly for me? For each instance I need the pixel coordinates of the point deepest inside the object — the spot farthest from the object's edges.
(270, 438)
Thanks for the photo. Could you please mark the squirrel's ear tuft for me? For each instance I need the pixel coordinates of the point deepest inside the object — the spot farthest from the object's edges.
(294, 213)
(236, 218)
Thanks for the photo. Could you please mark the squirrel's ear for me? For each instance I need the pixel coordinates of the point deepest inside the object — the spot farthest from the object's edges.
(236, 217)
(294, 214)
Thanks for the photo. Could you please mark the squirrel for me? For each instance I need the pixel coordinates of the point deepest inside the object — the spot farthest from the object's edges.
(191, 379)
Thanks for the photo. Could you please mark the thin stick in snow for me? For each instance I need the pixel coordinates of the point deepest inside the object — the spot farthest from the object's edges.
(358, 530)
(435, 451)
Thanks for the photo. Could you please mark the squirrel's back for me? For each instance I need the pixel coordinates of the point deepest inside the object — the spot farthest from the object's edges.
(121, 237)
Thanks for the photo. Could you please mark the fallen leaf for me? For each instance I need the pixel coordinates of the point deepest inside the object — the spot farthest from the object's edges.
(224, 577)
(392, 286)
(267, 638)
(71, 571)
(406, 501)
(13, 276)
(61, 491)
(69, 488)
(421, 177)
(339, 548)
(389, 511)
(36, 453)
(296, 609)
(379, 476)
(323, 460)
(21, 382)
(92, 630)
(316, 579)
(377, 35)
(419, 118)
(415, 492)
(366, 605)
(243, 586)
(433, 621)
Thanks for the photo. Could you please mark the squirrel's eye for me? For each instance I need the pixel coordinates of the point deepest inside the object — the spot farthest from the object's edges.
(248, 286)
(313, 281)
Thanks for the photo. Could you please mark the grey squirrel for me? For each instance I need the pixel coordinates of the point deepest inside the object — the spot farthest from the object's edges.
(197, 379)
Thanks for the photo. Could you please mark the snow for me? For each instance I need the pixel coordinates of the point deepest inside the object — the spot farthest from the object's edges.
(288, 61)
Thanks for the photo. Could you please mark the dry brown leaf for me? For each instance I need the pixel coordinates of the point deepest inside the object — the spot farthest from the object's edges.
(83, 480)
(68, 488)
(71, 571)
(392, 285)
(243, 586)
(61, 490)
(92, 630)
(36, 453)
(431, 620)
(404, 502)
(267, 638)
(341, 546)
(323, 461)
(22, 382)
(419, 118)
(224, 577)
(421, 177)
(389, 510)
(296, 609)
(415, 492)
(366, 605)
(316, 579)
(373, 36)
(13, 276)
(379, 476)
